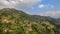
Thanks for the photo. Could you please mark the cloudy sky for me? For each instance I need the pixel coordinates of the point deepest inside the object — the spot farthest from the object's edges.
(36, 7)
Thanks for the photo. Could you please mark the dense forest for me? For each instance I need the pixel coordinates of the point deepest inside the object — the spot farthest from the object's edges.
(14, 21)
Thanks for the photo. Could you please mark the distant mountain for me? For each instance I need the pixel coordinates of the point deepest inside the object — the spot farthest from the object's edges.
(14, 21)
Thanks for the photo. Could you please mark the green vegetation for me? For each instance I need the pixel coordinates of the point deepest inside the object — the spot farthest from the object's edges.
(13, 21)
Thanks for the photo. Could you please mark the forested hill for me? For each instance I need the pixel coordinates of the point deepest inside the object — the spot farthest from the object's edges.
(14, 21)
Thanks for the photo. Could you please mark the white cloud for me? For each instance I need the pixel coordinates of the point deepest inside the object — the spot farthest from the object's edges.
(20, 4)
(45, 6)
(41, 6)
(55, 14)
(21, 0)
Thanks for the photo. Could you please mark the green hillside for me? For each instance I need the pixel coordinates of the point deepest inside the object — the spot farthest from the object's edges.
(14, 21)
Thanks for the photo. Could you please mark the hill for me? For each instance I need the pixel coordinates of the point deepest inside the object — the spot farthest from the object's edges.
(14, 21)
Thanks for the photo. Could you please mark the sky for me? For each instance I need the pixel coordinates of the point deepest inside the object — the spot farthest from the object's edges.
(35, 7)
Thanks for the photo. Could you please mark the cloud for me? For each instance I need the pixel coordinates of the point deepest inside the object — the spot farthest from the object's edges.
(45, 6)
(41, 6)
(55, 14)
(19, 4)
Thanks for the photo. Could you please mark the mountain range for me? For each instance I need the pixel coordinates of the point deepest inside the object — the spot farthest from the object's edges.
(14, 21)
